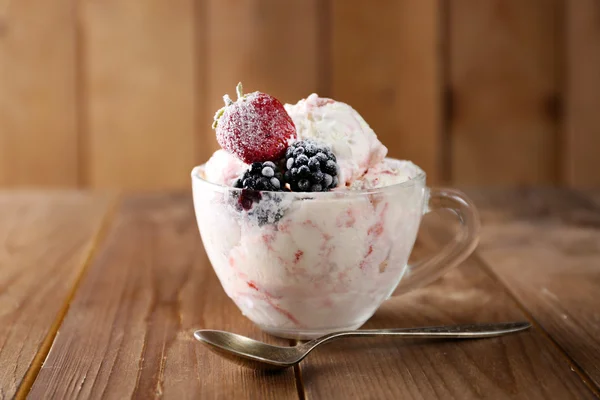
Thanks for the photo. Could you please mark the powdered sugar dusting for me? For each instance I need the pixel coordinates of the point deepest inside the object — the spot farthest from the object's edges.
(256, 128)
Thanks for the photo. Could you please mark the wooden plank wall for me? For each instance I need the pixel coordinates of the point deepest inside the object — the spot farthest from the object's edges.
(270, 45)
(582, 125)
(38, 128)
(137, 64)
(121, 94)
(387, 66)
(504, 86)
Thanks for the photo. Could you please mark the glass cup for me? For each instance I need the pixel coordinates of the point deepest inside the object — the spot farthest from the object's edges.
(300, 265)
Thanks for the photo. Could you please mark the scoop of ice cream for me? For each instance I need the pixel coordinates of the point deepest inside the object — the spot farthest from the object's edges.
(387, 172)
(223, 168)
(342, 128)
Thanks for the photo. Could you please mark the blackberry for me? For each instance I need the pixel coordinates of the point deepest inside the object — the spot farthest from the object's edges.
(259, 207)
(310, 167)
(261, 176)
(256, 198)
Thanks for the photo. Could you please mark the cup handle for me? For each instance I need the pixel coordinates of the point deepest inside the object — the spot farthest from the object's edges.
(460, 247)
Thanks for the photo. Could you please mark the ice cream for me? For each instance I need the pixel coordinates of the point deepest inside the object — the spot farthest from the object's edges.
(326, 264)
(316, 241)
(337, 124)
(386, 173)
(223, 168)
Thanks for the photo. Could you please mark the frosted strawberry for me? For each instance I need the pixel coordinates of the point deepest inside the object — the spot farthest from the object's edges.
(255, 128)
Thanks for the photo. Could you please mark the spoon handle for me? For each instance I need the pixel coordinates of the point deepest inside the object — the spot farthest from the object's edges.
(472, 331)
(453, 332)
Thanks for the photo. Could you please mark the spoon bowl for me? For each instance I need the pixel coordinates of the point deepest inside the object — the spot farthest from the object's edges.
(249, 352)
(258, 355)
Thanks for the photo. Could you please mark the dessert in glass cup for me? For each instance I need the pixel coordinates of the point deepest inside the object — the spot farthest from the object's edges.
(307, 224)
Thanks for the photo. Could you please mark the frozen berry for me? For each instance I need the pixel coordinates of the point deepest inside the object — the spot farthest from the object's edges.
(258, 207)
(310, 149)
(255, 127)
(261, 176)
(301, 160)
(329, 167)
(317, 176)
(328, 179)
(247, 198)
(303, 171)
(311, 167)
(257, 198)
(314, 164)
(303, 185)
(289, 163)
(268, 172)
(322, 157)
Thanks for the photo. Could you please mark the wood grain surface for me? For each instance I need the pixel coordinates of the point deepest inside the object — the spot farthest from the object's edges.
(582, 120)
(544, 246)
(38, 127)
(387, 65)
(520, 366)
(45, 240)
(129, 329)
(269, 45)
(504, 70)
(124, 328)
(138, 63)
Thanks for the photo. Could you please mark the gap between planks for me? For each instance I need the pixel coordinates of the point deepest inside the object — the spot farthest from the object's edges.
(445, 93)
(200, 140)
(81, 101)
(298, 374)
(585, 378)
(324, 48)
(40, 357)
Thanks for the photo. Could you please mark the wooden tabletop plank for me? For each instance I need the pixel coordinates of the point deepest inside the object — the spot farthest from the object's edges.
(525, 365)
(129, 329)
(544, 245)
(45, 239)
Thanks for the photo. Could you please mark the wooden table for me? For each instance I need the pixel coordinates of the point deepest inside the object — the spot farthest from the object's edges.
(100, 294)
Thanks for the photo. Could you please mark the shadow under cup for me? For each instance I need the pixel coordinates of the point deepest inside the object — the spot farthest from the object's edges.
(300, 265)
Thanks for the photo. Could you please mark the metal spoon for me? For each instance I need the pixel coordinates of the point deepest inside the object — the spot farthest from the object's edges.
(259, 355)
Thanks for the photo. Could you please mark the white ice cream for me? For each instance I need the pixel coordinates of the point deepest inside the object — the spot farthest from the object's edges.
(388, 172)
(338, 125)
(223, 168)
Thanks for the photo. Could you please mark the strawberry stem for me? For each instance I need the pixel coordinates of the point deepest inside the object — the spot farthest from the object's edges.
(228, 102)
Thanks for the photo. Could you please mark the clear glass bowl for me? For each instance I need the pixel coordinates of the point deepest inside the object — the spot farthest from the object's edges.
(300, 265)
